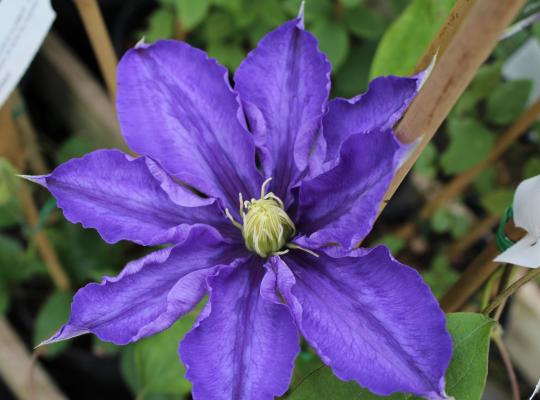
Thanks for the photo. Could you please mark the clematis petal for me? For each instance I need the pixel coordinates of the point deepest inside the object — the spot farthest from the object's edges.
(245, 343)
(120, 197)
(525, 252)
(370, 318)
(176, 106)
(151, 293)
(341, 204)
(284, 85)
(377, 109)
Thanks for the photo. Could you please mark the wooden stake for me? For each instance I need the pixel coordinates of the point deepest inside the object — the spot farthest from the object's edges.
(100, 41)
(467, 50)
(24, 376)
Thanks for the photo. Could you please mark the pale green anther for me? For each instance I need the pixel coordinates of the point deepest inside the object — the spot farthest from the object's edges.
(266, 226)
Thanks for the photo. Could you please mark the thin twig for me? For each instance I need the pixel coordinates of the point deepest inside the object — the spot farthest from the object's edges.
(475, 275)
(510, 290)
(471, 279)
(496, 337)
(479, 230)
(101, 42)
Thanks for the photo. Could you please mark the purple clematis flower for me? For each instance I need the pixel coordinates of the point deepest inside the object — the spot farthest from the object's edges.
(266, 263)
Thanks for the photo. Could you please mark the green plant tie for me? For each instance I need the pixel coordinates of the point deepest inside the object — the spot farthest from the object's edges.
(503, 241)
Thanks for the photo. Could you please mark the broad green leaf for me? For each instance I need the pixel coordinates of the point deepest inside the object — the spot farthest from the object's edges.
(484, 83)
(10, 210)
(152, 365)
(17, 264)
(4, 297)
(84, 254)
(465, 377)
(394, 243)
(364, 23)
(531, 168)
(333, 41)
(161, 25)
(441, 221)
(467, 373)
(404, 43)
(352, 78)
(218, 26)
(469, 143)
(314, 10)
(485, 182)
(497, 201)
(350, 3)
(228, 54)
(75, 146)
(440, 276)
(506, 103)
(51, 316)
(425, 165)
(271, 12)
(191, 12)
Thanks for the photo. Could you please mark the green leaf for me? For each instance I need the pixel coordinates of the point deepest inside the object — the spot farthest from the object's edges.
(352, 78)
(469, 143)
(394, 243)
(228, 54)
(531, 168)
(51, 316)
(350, 3)
(16, 264)
(497, 201)
(75, 146)
(485, 182)
(441, 221)
(364, 23)
(10, 209)
(161, 25)
(404, 43)
(333, 41)
(218, 26)
(484, 83)
(152, 364)
(467, 373)
(425, 165)
(440, 276)
(192, 12)
(465, 377)
(4, 297)
(506, 103)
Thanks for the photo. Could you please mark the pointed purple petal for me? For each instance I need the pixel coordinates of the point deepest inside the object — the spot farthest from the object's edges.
(341, 204)
(370, 318)
(378, 109)
(176, 105)
(119, 197)
(151, 293)
(244, 344)
(284, 85)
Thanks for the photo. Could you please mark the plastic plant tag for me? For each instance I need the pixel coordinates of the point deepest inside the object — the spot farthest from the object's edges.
(23, 27)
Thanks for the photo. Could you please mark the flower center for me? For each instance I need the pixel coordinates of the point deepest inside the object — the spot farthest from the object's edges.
(266, 227)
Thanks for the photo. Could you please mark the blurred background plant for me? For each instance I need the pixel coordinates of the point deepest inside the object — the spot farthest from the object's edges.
(363, 39)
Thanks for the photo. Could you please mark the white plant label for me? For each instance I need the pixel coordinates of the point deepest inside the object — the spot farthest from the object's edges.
(23, 27)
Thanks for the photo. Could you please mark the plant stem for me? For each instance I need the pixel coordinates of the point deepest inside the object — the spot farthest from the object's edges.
(100, 41)
(530, 275)
(496, 337)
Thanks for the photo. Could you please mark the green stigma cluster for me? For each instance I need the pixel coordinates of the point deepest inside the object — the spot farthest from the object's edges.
(266, 227)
